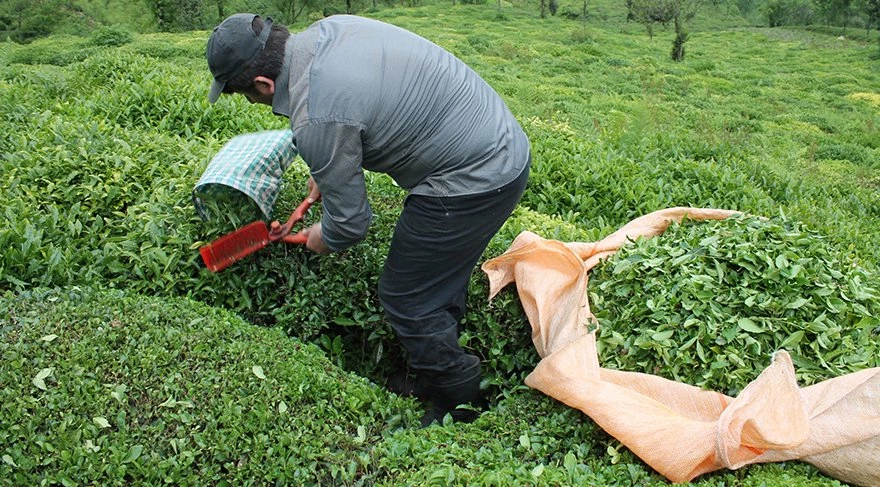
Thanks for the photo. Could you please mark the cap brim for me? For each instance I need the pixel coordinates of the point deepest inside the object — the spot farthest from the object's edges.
(216, 90)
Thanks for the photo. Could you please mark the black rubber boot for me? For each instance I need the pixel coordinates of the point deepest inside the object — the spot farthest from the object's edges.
(405, 384)
(450, 390)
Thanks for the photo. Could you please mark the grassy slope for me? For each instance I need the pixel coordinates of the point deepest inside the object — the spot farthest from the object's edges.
(617, 130)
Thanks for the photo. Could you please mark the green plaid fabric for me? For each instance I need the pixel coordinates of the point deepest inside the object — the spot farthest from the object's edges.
(251, 163)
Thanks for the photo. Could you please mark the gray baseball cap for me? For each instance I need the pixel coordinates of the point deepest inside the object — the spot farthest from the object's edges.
(233, 46)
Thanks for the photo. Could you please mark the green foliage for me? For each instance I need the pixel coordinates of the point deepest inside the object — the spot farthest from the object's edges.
(24, 20)
(531, 441)
(838, 12)
(649, 13)
(788, 12)
(109, 388)
(59, 51)
(678, 43)
(177, 15)
(842, 151)
(677, 12)
(161, 50)
(100, 147)
(111, 36)
(708, 303)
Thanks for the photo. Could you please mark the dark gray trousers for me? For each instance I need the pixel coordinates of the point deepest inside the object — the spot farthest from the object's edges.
(436, 245)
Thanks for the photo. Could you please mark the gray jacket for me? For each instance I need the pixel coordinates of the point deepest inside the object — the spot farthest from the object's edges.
(362, 94)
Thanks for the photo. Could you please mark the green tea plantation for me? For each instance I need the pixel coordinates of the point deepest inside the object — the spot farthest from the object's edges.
(123, 361)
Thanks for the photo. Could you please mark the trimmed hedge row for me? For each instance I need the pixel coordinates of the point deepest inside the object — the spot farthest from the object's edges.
(109, 388)
(99, 158)
(100, 149)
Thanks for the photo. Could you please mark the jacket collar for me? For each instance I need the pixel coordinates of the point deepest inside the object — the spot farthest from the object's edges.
(281, 97)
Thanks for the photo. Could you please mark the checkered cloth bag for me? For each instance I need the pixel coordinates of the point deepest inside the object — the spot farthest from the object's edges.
(250, 163)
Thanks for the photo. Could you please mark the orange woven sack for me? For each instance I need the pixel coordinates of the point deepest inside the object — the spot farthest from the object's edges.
(680, 430)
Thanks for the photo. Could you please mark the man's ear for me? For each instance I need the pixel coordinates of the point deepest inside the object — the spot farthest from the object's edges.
(264, 86)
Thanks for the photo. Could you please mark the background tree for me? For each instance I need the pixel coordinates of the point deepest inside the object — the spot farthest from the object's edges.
(682, 12)
(746, 7)
(649, 13)
(24, 20)
(664, 12)
(835, 12)
(584, 13)
(870, 9)
(291, 10)
(553, 6)
(788, 12)
(177, 15)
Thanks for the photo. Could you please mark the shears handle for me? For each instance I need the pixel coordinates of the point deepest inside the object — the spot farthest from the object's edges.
(281, 232)
(297, 238)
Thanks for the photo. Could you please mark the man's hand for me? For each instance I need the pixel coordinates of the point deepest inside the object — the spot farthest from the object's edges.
(314, 192)
(315, 236)
(315, 241)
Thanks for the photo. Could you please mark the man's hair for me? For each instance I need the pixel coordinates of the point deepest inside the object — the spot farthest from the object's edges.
(268, 63)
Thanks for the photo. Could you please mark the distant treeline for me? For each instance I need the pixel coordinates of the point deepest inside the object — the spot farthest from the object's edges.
(842, 13)
(24, 20)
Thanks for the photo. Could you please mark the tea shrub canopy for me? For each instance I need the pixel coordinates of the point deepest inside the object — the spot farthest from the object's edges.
(102, 139)
(110, 388)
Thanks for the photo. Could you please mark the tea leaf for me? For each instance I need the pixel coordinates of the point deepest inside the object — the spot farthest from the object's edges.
(133, 453)
(538, 470)
(749, 325)
(39, 379)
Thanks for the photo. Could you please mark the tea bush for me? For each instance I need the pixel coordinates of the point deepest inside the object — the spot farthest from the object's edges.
(54, 51)
(110, 388)
(137, 92)
(100, 147)
(100, 156)
(110, 36)
(162, 49)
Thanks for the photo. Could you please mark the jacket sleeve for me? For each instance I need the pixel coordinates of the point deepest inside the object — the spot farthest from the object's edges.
(334, 153)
